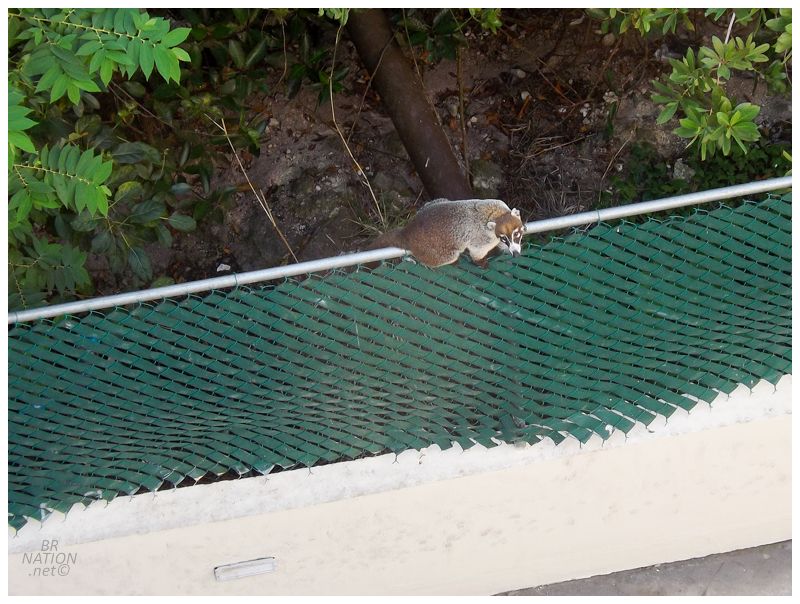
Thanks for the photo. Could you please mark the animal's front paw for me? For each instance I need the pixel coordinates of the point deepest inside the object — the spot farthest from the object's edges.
(483, 262)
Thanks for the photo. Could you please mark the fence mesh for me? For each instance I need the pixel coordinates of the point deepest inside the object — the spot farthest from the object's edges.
(588, 333)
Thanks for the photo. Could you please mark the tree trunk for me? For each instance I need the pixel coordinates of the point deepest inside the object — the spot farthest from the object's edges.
(404, 98)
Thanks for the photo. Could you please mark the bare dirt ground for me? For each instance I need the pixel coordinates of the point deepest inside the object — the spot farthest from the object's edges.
(551, 110)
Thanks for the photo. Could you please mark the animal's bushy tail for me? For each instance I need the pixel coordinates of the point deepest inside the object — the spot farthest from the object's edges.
(389, 239)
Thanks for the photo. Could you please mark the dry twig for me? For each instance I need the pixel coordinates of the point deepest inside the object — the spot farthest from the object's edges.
(359, 169)
(262, 200)
(461, 110)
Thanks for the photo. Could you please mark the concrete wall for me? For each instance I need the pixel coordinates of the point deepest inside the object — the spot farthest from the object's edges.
(479, 521)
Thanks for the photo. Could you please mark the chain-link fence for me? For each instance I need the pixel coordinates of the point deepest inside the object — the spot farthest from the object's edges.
(577, 337)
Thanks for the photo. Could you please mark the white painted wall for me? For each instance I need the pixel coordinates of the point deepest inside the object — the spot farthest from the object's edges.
(445, 522)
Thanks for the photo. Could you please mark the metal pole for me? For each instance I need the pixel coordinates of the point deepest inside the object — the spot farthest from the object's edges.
(387, 253)
(658, 205)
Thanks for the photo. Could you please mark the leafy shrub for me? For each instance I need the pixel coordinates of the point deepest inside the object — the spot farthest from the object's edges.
(61, 157)
(439, 33)
(695, 91)
(649, 176)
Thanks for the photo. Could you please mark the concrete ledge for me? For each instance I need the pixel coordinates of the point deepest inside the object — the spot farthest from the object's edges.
(479, 521)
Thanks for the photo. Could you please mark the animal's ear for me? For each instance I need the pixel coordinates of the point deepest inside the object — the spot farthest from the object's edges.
(515, 212)
(490, 225)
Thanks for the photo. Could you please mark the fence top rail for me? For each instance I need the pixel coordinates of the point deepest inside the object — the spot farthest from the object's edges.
(387, 253)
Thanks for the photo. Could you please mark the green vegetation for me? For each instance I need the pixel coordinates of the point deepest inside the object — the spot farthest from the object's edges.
(648, 176)
(61, 156)
(695, 91)
(109, 142)
(111, 150)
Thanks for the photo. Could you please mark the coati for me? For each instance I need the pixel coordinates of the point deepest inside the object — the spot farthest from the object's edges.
(443, 229)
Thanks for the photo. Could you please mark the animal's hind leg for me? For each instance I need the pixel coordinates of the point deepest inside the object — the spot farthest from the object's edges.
(480, 256)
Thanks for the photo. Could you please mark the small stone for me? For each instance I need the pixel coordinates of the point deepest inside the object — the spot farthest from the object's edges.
(524, 94)
(487, 178)
(273, 123)
(682, 171)
(609, 39)
(610, 97)
(519, 73)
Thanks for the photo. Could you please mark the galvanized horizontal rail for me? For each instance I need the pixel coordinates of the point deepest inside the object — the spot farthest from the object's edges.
(345, 260)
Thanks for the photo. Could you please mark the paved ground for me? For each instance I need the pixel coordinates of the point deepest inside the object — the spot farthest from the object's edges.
(759, 571)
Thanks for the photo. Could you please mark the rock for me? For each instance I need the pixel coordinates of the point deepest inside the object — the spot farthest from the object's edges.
(681, 170)
(609, 39)
(487, 178)
(382, 181)
(452, 107)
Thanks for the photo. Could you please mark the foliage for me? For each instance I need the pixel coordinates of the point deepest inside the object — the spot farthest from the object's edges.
(644, 20)
(336, 14)
(648, 176)
(439, 33)
(60, 157)
(695, 91)
(109, 146)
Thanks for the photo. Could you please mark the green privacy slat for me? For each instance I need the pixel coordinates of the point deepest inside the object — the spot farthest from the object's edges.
(621, 324)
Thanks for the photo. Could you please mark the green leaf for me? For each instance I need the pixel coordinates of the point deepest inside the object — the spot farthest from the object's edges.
(131, 153)
(163, 234)
(685, 132)
(83, 222)
(17, 119)
(165, 62)
(102, 172)
(73, 93)
(131, 189)
(21, 141)
(748, 111)
(181, 54)
(237, 53)
(179, 222)
(102, 242)
(176, 36)
(140, 263)
(134, 88)
(146, 59)
(101, 199)
(89, 48)
(59, 88)
(120, 58)
(181, 188)
(147, 211)
(746, 131)
(257, 53)
(106, 71)
(87, 85)
(719, 47)
(667, 113)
